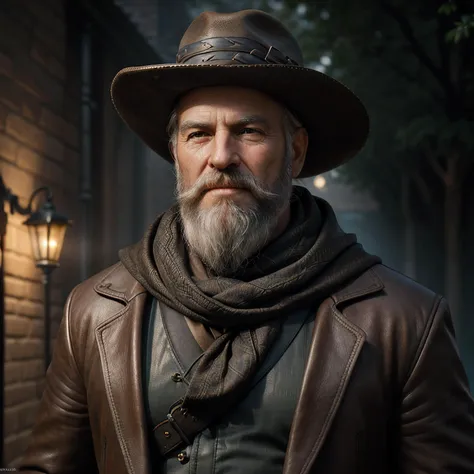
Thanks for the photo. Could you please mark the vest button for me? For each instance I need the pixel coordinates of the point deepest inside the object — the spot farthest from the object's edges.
(183, 458)
(176, 377)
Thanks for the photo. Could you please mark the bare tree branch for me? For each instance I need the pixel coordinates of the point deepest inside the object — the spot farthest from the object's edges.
(422, 187)
(410, 77)
(437, 168)
(418, 50)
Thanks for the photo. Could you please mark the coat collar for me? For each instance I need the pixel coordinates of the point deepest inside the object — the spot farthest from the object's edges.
(119, 340)
(119, 284)
(335, 347)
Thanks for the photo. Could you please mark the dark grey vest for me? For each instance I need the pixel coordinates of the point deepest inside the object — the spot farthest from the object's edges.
(252, 438)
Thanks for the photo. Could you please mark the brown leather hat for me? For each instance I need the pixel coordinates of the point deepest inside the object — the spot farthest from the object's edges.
(249, 48)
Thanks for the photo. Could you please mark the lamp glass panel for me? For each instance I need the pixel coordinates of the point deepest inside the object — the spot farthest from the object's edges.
(57, 233)
(47, 241)
(37, 235)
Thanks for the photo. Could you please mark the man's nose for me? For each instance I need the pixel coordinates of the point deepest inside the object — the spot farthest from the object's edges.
(224, 152)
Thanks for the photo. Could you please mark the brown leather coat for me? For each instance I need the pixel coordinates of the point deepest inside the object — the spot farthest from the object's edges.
(384, 389)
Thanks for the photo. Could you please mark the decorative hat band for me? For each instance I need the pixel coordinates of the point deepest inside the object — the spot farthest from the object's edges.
(241, 50)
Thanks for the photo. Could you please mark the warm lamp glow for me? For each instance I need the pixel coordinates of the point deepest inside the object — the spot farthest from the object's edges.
(319, 182)
(52, 244)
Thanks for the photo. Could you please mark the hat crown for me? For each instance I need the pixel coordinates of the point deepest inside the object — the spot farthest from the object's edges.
(254, 25)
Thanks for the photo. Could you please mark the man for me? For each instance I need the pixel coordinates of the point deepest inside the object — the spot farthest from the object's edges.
(246, 332)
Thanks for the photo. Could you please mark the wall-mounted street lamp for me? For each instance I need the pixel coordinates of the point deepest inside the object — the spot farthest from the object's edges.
(47, 230)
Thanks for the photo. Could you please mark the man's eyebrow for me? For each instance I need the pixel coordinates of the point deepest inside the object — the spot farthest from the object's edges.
(246, 120)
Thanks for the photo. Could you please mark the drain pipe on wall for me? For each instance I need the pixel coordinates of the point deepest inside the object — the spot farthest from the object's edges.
(85, 186)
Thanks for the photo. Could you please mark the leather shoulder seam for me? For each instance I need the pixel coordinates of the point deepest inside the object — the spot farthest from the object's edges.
(426, 332)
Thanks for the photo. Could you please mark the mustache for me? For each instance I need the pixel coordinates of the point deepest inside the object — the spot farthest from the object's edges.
(224, 179)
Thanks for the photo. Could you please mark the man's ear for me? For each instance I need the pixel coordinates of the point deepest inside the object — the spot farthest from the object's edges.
(300, 147)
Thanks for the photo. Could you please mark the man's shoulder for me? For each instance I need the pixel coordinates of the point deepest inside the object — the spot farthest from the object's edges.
(403, 291)
(400, 310)
(104, 292)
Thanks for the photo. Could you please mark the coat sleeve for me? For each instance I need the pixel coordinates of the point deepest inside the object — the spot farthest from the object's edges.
(437, 432)
(61, 441)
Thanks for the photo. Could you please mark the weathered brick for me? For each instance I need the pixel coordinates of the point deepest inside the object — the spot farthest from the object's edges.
(71, 160)
(19, 288)
(52, 122)
(56, 68)
(4, 111)
(17, 12)
(54, 148)
(29, 160)
(11, 421)
(17, 238)
(19, 393)
(52, 40)
(8, 148)
(29, 134)
(17, 371)
(32, 369)
(15, 446)
(40, 54)
(32, 161)
(17, 326)
(32, 309)
(30, 107)
(14, 287)
(20, 182)
(11, 305)
(27, 414)
(13, 372)
(6, 65)
(48, 19)
(56, 124)
(18, 99)
(15, 37)
(11, 94)
(20, 266)
(72, 105)
(16, 349)
(20, 417)
(71, 135)
(26, 132)
(34, 78)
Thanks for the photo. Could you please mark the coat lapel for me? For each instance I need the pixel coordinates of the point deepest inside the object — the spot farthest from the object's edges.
(120, 340)
(335, 348)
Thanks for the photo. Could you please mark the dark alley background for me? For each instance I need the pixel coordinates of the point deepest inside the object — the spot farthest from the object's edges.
(409, 195)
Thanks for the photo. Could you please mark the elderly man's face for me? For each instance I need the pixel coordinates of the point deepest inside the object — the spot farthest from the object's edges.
(235, 164)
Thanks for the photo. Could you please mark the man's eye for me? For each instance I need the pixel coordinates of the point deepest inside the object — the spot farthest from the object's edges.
(248, 130)
(196, 135)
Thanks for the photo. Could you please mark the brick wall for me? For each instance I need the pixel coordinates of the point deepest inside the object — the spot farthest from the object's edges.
(38, 146)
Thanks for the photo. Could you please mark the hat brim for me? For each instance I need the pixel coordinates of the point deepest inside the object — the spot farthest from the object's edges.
(335, 119)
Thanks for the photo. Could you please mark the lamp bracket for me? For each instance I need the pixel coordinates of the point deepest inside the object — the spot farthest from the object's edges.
(15, 206)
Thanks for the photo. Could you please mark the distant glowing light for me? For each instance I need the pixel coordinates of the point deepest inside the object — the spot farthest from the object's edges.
(324, 15)
(326, 61)
(301, 9)
(319, 182)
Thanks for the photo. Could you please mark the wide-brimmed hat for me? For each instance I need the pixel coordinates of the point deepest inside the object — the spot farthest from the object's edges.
(250, 49)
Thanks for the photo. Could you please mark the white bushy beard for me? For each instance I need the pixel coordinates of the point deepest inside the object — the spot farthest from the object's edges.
(226, 235)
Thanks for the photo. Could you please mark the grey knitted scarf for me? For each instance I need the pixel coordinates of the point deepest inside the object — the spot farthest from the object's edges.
(299, 269)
